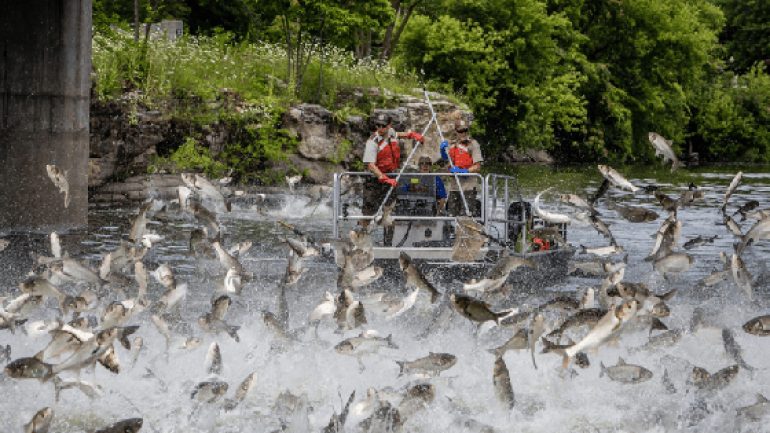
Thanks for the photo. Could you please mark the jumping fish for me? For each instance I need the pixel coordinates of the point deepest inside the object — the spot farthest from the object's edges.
(663, 147)
(40, 422)
(502, 381)
(626, 373)
(551, 217)
(730, 189)
(434, 364)
(733, 349)
(610, 324)
(613, 176)
(59, 179)
(759, 326)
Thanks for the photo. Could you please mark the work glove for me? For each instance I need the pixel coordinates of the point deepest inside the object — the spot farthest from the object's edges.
(444, 145)
(389, 181)
(458, 170)
(415, 135)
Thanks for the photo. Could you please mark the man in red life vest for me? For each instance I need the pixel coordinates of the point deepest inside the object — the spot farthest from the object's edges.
(382, 155)
(466, 158)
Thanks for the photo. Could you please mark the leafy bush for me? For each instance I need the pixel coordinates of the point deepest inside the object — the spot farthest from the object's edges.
(190, 157)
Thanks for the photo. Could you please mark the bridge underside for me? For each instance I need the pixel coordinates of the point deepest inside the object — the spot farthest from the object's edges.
(45, 82)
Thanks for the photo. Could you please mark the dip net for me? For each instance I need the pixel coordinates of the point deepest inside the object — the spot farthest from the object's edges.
(469, 239)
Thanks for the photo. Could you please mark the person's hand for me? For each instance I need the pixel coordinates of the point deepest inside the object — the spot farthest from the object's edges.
(444, 145)
(415, 136)
(389, 181)
(458, 170)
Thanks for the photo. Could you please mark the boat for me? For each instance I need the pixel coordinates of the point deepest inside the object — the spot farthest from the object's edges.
(463, 247)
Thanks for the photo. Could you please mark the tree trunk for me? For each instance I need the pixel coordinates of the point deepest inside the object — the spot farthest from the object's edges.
(136, 20)
(287, 32)
(394, 41)
(396, 5)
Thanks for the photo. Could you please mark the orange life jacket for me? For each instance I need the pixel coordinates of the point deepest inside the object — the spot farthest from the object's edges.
(388, 154)
(461, 156)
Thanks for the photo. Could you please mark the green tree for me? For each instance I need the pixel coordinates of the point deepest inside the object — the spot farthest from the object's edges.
(305, 25)
(513, 62)
(643, 59)
(746, 35)
(731, 117)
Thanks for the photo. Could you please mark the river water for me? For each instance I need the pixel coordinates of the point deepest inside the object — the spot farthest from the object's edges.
(548, 398)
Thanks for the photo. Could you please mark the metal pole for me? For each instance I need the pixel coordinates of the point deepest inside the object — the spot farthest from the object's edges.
(335, 204)
(441, 135)
(425, 131)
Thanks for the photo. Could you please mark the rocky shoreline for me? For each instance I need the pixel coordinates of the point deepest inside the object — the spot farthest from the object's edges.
(126, 135)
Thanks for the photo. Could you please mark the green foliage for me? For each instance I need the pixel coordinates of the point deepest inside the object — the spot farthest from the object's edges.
(257, 144)
(587, 79)
(511, 60)
(190, 157)
(341, 152)
(195, 68)
(746, 35)
(731, 120)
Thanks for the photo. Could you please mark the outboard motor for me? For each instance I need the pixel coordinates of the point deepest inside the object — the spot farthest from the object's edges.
(517, 211)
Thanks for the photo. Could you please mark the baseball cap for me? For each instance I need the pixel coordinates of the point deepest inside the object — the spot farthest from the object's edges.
(380, 119)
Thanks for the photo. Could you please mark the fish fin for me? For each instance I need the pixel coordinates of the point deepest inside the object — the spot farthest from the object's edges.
(621, 361)
(667, 296)
(401, 368)
(761, 399)
(124, 341)
(602, 368)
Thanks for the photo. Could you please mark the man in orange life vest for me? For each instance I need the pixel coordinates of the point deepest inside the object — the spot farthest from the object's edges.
(466, 158)
(382, 155)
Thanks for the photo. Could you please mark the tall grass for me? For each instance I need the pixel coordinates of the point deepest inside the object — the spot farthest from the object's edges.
(199, 66)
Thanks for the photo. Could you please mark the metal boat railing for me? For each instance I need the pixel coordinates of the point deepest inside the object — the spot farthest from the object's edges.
(495, 191)
(492, 186)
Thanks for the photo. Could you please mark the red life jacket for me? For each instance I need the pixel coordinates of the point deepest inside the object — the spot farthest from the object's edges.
(388, 154)
(461, 156)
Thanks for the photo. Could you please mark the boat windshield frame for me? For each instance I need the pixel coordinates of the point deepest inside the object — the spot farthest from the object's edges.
(496, 190)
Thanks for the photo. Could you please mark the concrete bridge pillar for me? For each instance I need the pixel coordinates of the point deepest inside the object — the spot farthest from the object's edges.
(45, 82)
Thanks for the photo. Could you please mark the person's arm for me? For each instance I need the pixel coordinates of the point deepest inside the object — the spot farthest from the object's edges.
(477, 157)
(375, 171)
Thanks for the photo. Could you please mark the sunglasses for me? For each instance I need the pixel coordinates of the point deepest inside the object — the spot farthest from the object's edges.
(462, 130)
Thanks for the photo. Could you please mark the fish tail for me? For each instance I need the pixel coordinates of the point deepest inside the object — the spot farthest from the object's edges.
(434, 295)
(400, 368)
(497, 352)
(233, 332)
(49, 374)
(582, 249)
(552, 348)
(602, 369)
